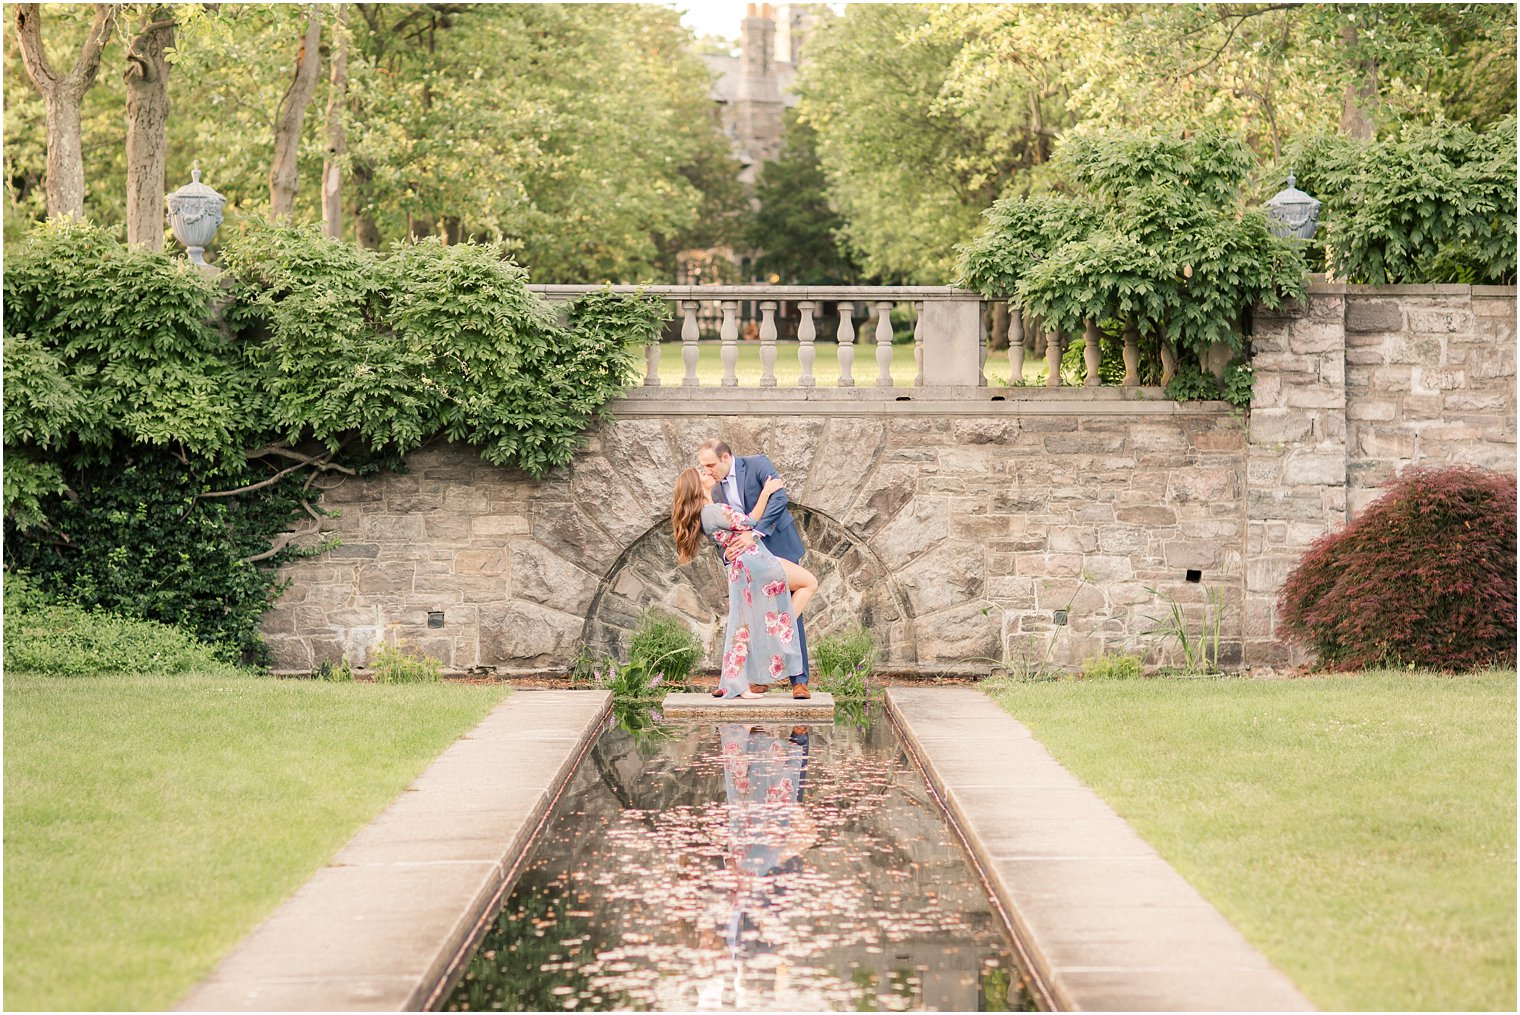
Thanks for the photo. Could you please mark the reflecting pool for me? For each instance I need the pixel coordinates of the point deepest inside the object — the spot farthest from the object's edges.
(746, 867)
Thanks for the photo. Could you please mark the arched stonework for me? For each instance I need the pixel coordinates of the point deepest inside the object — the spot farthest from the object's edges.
(855, 588)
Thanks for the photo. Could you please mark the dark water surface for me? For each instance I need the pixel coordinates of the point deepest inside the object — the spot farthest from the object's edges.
(745, 867)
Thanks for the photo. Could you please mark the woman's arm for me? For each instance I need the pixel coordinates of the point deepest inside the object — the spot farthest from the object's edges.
(772, 484)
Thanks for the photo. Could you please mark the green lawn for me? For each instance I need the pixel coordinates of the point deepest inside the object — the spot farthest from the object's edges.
(151, 821)
(1359, 830)
(825, 365)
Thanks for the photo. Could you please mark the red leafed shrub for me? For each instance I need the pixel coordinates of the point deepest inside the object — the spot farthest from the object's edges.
(1425, 577)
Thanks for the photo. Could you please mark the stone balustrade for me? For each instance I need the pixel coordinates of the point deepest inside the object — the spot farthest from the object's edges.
(949, 336)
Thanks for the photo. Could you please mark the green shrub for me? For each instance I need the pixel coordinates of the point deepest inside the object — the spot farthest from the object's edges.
(404, 664)
(147, 408)
(1425, 578)
(1158, 235)
(1112, 667)
(1433, 203)
(46, 635)
(842, 663)
(663, 645)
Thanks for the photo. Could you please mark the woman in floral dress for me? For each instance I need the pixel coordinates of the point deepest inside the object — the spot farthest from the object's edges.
(765, 593)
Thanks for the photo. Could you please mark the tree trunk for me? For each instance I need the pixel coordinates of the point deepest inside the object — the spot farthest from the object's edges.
(1361, 91)
(148, 128)
(337, 140)
(366, 232)
(292, 114)
(62, 97)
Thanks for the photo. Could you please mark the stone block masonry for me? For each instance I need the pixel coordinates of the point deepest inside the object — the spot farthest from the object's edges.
(1352, 387)
(962, 527)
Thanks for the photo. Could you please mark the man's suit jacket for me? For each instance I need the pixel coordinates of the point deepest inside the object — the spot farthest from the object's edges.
(776, 525)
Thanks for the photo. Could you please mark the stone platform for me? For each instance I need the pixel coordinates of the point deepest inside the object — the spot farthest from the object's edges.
(701, 705)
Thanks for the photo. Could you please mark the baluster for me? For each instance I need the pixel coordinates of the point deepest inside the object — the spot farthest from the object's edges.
(981, 356)
(918, 344)
(1015, 346)
(805, 351)
(729, 334)
(768, 343)
(1052, 358)
(652, 364)
(884, 344)
(1092, 355)
(846, 336)
(1131, 354)
(1168, 362)
(690, 332)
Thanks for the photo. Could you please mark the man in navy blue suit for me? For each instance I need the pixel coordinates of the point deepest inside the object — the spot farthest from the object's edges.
(737, 483)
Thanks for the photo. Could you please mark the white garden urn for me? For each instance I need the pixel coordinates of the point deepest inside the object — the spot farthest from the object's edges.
(195, 212)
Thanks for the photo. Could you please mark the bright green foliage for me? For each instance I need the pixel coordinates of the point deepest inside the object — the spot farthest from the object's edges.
(404, 664)
(1112, 667)
(136, 413)
(580, 135)
(842, 663)
(45, 635)
(1158, 238)
(665, 645)
(391, 350)
(1434, 203)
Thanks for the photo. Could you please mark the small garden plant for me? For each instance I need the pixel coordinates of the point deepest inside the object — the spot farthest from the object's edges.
(1112, 667)
(404, 664)
(843, 662)
(661, 655)
(1198, 643)
(1424, 578)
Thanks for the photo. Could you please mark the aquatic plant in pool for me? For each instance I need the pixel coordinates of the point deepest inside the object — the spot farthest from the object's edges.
(794, 867)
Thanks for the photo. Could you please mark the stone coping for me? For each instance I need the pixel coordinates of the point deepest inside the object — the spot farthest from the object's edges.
(1414, 289)
(378, 927)
(700, 705)
(675, 400)
(1104, 923)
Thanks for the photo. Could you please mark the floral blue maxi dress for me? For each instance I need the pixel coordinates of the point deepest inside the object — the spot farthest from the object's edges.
(762, 645)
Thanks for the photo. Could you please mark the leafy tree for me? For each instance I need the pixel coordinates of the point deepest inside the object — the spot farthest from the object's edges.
(910, 164)
(977, 94)
(796, 228)
(488, 121)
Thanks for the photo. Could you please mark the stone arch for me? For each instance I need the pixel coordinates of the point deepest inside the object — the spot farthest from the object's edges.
(855, 587)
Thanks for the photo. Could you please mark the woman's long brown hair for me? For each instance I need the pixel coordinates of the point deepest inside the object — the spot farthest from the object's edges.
(686, 513)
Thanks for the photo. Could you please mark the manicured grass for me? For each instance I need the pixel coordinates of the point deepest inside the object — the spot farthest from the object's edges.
(825, 365)
(152, 821)
(1359, 830)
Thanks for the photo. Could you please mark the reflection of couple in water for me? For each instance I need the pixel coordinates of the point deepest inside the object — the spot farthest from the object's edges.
(741, 503)
(768, 831)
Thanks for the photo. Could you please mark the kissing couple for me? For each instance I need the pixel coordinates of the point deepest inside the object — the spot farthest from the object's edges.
(741, 504)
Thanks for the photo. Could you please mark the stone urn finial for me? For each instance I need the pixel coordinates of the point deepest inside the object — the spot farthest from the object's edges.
(195, 212)
(1293, 213)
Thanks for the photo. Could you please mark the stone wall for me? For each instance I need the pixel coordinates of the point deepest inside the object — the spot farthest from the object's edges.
(955, 526)
(1353, 386)
(954, 537)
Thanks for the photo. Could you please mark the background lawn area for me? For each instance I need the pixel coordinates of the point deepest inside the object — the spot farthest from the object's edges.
(825, 365)
(151, 822)
(1358, 830)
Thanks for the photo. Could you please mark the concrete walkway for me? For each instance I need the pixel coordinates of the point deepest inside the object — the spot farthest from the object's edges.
(1104, 921)
(376, 928)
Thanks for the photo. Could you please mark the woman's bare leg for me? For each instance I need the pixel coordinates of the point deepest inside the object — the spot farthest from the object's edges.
(802, 582)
